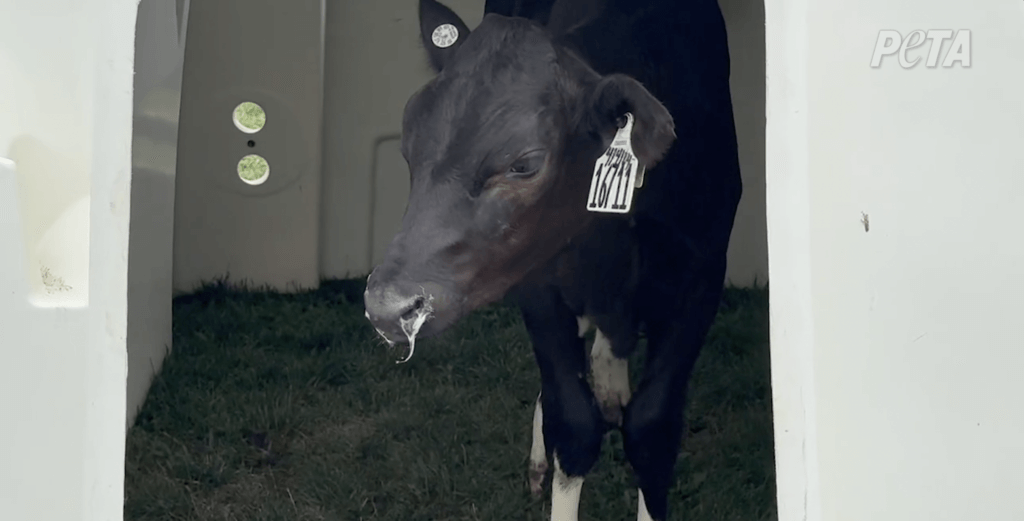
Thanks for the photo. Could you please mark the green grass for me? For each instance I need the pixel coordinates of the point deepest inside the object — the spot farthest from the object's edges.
(276, 406)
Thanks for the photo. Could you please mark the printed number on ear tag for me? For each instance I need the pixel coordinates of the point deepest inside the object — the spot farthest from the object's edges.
(615, 175)
(444, 35)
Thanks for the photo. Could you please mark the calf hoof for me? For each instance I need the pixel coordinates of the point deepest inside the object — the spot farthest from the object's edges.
(537, 471)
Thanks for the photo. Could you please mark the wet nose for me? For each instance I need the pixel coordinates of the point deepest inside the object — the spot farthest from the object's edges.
(387, 305)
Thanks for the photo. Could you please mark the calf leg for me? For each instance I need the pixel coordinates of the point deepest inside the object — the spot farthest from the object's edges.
(571, 422)
(654, 419)
(538, 456)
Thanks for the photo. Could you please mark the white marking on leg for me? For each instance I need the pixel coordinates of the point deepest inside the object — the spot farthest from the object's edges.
(584, 325)
(538, 457)
(641, 512)
(565, 495)
(611, 378)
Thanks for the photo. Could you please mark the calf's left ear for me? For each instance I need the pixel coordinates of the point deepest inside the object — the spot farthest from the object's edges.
(653, 128)
(442, 32)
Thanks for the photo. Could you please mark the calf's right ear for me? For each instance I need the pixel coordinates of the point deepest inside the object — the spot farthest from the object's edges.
(442, 32)
(611, 98)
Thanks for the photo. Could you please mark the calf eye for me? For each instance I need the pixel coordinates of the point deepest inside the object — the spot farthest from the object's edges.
(527, 165)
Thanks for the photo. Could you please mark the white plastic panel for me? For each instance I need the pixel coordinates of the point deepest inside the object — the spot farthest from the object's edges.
(748, 246)
(270, 53)
(160, 48)
(65, 131)
(390, 189)
(13, 257)
(46, 116)
(374, 61)
(894, 205)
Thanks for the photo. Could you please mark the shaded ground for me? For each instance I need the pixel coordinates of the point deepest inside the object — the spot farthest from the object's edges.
(275, 407)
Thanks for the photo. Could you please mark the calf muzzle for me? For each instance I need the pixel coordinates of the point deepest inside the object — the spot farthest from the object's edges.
(398, 310)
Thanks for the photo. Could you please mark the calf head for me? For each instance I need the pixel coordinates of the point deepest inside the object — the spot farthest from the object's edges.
(501, 146)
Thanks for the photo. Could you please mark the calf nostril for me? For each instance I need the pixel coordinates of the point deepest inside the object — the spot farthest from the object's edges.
(413, 308)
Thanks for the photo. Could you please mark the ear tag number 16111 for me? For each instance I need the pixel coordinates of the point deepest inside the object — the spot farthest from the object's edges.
(615, 174)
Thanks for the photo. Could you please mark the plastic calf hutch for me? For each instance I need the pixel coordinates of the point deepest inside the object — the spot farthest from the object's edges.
(892, 211)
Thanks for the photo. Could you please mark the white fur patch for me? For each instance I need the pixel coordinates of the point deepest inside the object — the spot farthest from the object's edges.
(611, 378)
(641, 511)
(565, 495)
(584, 325)
(538, 457)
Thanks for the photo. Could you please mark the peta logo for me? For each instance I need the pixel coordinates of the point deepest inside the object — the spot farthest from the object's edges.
(892, 42)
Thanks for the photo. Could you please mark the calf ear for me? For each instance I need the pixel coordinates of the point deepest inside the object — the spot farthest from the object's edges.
(442, 32)
(609, 101)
